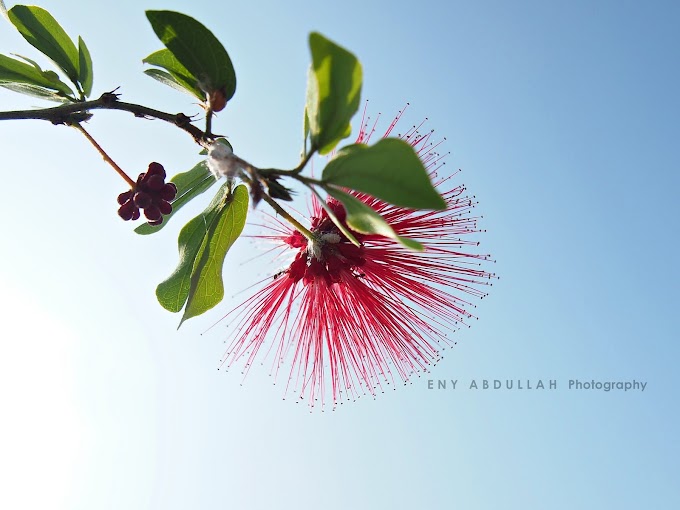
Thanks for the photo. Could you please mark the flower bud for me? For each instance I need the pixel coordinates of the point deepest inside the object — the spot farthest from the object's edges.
(168, 192)
(155, 183)
(217, 100)
(142, 199)
(156, 169)
(153, 213)
(164, 207)
(124, 197)
(126, 210)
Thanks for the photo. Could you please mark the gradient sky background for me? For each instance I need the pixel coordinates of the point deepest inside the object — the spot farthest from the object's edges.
(564, 119)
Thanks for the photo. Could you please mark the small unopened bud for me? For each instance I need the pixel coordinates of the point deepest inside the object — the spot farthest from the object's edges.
(168, 192)
(153, 213)
(155, 183)
(277, 190)
(217, 100)
(256, 192)
(142, 199)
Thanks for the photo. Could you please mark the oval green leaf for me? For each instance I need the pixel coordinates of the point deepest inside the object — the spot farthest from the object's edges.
(175, 82)
(389, 170)
(13, 71)
(43, 32)
(363, 219)
(173, 292)
(177, 76)
(207, 287)
(333, 92)
(50, 76)
(85, 74)
(197, 49)
(35, 91)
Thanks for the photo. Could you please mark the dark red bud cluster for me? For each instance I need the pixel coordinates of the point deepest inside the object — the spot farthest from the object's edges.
(151, 193)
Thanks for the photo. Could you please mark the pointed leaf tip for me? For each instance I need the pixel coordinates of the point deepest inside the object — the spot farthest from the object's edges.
(207, 286)
(85, 73)
(203, 244)
(43, 32)
(363, 219)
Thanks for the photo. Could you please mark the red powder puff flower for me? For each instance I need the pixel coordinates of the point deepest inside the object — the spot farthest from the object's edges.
(351, 320)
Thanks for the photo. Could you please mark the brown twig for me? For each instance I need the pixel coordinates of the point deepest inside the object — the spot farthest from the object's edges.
(104, 155)
(73, 113)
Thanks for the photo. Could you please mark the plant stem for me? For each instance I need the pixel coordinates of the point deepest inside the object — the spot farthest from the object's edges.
(303, 230)
(304, 162)
(256, 172)
(334, 218)
(292, 173)
(208, 121)
(104, 155)
(307, 181)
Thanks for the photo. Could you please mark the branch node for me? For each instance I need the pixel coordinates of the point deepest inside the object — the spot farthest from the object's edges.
(182, 120)
(109, 98)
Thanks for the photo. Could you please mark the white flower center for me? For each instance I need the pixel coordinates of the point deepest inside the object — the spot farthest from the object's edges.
(315, 248)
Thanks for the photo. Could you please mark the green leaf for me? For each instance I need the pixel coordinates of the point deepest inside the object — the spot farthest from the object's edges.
(43, 32)
(85, 74)
(207, 287)
(165, 59)
(172, 293)
(197, 49)
(50, 76)
(389, 170)
(333, 92)
(305, 134)
(189, 184)
(176, 83)
(177, 75)
(365, 220)
(35, 91)
(13, 71)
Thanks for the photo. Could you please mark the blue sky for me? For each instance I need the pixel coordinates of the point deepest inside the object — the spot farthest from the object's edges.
(563, 117)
